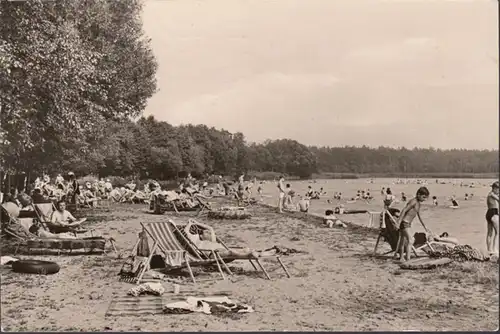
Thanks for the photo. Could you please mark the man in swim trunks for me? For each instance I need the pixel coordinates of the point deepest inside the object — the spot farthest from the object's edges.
(281, 198)
(304, 204)
(492, 219)
(410, 211)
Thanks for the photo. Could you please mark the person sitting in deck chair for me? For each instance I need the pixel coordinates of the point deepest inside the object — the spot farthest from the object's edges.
(62, 220)
(204, 238)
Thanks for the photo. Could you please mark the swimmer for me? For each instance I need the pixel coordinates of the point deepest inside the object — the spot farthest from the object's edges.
(454, 202)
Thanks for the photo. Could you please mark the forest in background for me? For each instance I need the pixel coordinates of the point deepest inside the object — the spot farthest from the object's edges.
(76, 77)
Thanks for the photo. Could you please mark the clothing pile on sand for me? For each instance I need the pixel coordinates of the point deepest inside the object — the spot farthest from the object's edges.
(207, 305)
(280, 250)
(152, 288)
(460, 253)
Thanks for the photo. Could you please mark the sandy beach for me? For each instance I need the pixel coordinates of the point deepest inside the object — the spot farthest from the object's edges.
(336, 284)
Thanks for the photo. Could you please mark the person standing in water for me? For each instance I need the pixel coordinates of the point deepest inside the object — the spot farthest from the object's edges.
(281, 198)
(389, 199)
(492, 219)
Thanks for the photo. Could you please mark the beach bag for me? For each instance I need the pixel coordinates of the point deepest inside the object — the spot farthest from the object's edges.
(143, 246)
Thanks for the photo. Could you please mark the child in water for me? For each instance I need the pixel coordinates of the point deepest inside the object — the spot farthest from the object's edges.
(434, 201)
(410, 211)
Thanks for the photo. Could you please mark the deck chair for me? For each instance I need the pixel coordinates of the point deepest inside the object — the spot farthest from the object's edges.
(102, 204)
(203, 205)
(20, 230)
(174, 254)
(389, 230)
(181, 235)
(244, 200)
(44, 213)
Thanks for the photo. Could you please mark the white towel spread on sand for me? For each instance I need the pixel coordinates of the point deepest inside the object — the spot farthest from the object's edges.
(7, 259)
(207, 305)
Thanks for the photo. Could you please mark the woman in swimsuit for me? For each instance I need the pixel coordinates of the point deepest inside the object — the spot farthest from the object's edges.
(492, 219)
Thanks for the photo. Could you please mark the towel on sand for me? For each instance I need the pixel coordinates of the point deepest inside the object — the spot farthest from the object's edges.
(147, 288)
(7, 260)
(461, 253)
(207, 305)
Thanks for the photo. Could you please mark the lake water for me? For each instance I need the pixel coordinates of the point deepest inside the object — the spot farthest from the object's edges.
(466, 223)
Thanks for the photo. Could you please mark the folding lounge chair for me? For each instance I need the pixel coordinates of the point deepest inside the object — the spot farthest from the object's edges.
(20, 231)
(181, 235)
(174, 254)
(101, 203)
(391, 234)
(44, 213)
(204, 205)
(242, 201)
(389, 230)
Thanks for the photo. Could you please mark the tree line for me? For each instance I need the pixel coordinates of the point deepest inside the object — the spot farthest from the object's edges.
(76, 75)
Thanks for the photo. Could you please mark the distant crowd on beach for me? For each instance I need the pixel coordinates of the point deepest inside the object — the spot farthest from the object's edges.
(410, 211)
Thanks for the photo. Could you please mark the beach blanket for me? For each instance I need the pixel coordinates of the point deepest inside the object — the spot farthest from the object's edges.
(127, 306)
(151, 288)
(92, 243)
(207, 305)
(460, 253)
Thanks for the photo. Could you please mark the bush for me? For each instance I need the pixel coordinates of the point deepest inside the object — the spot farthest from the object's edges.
(88, 178)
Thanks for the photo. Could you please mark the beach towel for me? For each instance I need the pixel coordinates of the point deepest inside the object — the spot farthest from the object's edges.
(207, 305)
(4, 260)
(460, 253)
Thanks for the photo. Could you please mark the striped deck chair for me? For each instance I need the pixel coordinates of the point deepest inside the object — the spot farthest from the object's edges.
(181, 235)
(174, 254)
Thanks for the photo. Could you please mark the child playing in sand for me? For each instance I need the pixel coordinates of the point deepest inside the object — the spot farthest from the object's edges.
(410, 211)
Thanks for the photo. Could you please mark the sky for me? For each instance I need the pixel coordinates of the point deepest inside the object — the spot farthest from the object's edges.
(413, 73)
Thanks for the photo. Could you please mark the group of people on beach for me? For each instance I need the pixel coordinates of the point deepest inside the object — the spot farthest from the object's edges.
(406, 217)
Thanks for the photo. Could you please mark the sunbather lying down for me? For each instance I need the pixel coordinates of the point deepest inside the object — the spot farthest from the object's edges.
(421, 238)
(203, 237)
